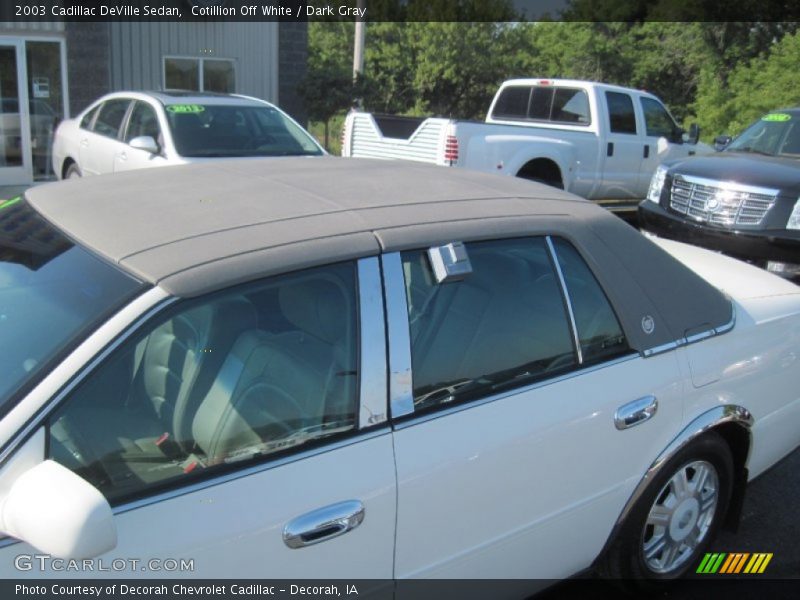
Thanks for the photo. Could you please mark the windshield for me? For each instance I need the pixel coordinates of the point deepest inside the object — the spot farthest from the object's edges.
(52, 294)
(207, 130)
(776, 134)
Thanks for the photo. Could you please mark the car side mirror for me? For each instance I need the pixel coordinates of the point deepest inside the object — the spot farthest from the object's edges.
(144, 142)
(693, 134)
(721, 142)
(58, 513)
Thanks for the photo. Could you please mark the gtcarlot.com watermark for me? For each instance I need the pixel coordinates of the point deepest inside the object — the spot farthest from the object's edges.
(45, 562)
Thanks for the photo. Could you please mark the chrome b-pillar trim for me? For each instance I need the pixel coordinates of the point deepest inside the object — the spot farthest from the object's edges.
(401, 398)
(372, 394)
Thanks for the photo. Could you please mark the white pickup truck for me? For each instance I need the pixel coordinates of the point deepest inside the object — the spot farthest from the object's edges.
(599, 141)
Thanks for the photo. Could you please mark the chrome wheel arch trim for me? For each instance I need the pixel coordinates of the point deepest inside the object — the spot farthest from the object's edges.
(708, 421)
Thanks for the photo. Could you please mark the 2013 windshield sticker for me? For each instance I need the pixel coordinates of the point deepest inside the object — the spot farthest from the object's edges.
(779, 117)
(185, 108)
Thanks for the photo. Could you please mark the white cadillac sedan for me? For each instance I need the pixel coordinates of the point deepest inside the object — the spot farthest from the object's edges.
(361, 369)
(135, 130)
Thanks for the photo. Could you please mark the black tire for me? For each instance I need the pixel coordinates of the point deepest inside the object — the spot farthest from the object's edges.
(665, 513)
(73, 171)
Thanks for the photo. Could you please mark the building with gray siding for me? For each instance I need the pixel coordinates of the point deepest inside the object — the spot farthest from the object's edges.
(53, 70)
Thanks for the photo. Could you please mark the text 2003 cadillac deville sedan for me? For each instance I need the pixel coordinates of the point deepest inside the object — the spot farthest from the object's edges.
(363, 369)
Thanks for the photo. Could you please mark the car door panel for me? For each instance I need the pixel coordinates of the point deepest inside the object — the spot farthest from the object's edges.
(127, 158)
(505, 488)
(99, 146)
(660, 135)
(622, 153)
(232, 416)
(235, 528)
(97, 153)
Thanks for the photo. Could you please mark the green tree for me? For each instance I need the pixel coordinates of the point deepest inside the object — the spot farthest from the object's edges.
(767, 82)
(459, 66)
(328, 87)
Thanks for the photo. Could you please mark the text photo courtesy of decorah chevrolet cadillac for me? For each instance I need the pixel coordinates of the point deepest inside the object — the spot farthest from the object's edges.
(329, 368)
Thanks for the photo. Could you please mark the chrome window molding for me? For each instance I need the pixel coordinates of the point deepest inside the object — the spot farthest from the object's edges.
(565, 294)
(82, 374)
(401, 396)
(694, 338)
(372, 356)
(437, 413)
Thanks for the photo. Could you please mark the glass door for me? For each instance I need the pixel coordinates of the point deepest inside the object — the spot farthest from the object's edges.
(15, 163)
(45, 102)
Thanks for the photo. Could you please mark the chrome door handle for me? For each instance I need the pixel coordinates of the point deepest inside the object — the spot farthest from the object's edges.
(635, 412)
(84, 143)
(323, 524)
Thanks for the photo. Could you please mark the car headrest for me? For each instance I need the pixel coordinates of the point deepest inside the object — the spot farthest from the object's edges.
(317, 307)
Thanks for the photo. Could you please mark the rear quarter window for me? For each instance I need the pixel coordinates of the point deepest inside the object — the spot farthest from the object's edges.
(543, 103)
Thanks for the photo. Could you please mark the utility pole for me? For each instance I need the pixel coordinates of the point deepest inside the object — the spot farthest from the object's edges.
(358, 46)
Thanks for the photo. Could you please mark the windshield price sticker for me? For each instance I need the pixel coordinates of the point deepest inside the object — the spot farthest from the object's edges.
(777, 117)
(185, 108)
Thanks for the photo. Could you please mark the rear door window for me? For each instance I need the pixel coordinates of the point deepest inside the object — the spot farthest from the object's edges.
(508, 323)
(504, 325)
(110, 117)
(513, 102)
(544, 103)
(621, 117)
(86, 121)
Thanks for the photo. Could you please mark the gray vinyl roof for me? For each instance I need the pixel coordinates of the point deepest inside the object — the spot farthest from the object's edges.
(197, 228)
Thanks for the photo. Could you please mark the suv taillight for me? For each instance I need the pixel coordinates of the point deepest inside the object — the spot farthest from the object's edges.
(451, 149)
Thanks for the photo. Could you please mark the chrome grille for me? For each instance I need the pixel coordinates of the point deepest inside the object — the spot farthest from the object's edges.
(720, 203)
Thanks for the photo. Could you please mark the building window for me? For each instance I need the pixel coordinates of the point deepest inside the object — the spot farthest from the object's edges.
(200, 74)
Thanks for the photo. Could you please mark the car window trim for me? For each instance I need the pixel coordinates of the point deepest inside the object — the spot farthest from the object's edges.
(448, 409)
(372, 344)
(562, 284)
(401, 395)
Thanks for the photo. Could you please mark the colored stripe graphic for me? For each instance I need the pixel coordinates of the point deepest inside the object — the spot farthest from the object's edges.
(734, 563)
(758, 563)
(711, 562)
